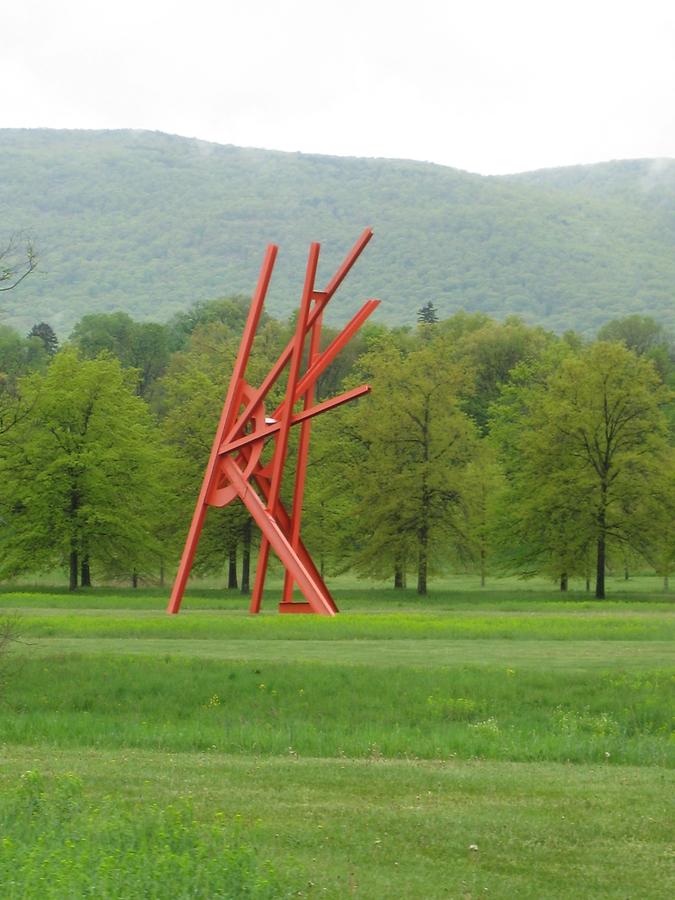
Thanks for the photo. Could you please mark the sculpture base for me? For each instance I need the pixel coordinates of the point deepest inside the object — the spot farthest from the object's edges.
(295, 608)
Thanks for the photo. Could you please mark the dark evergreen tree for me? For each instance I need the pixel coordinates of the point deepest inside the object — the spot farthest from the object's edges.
(45, 333)
(427, 315)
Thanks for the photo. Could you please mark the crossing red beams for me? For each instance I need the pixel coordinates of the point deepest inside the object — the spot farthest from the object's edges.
(234, 468)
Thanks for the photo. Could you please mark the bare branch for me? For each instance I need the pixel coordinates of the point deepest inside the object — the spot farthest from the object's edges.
(15, 264)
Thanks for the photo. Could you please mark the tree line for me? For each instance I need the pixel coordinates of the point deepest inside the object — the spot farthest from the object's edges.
(486, 447)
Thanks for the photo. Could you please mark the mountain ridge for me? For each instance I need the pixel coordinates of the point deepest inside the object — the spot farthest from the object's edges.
(150, 223)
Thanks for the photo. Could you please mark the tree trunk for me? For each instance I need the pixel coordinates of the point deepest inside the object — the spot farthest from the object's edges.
(482, 566)
(74, 567)
(422, 564)
(134, 579)
(398, 577)
(85, 579)
(564, 582)
(600, 569)
(601, 559)
(666, 584)
(423, 531)
(246, 558)
(588, 583)
(72, 583)
(232, 569)
(625, 573)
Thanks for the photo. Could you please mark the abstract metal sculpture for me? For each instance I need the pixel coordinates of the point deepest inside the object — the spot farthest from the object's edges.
(235, 468)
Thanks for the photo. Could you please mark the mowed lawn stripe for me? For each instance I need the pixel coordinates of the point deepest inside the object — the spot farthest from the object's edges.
(569, 654)
(385, 627)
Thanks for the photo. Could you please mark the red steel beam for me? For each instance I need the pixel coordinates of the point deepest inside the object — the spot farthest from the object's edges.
(322, 298)
(303, 453)
(281, 447)
(267, 431)
(284, 520)
(225, 423)
(274, 535)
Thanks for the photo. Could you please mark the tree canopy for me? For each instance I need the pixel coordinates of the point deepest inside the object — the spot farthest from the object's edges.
(81, 473)
(484, 447)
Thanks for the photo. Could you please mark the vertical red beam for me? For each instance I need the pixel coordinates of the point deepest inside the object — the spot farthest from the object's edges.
(227, 417)
(303, 453)
(281, 445)
(260, 574)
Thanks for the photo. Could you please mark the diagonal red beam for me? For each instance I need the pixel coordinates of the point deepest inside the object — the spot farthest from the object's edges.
(301, 463)
(319, 365)
(322, 298)
(317, 368)
(281, 446)
(284, 520)
(262, 433)
(227, 417)
(274, 535)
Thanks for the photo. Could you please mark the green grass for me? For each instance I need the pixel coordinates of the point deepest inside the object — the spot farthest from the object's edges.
(57, 843)
(569, 654)
(388, 828)
(320, 709)
(362, 755)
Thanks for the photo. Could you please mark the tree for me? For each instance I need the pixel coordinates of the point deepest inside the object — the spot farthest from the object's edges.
(491, 352)
(82, 476)
(418, 443)
(45, 333)
(427, 315)
(645, 337)
(485, 484)
(588, 454)
(18, 357)
(229, 311)
(140, 345)
(641, 334)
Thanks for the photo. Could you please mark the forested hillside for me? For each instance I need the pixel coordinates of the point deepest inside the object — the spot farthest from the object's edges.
(150, 223)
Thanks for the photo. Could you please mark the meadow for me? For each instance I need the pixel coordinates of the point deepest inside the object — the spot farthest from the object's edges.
(506, 742)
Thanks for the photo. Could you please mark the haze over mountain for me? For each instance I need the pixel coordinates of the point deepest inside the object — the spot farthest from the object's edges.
(149, 223)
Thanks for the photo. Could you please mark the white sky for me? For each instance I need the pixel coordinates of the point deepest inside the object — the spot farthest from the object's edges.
(487, 86)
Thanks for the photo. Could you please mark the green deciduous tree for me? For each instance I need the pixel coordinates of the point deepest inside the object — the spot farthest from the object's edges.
(484, 486)
(140, 345)
(417, 445)
(586, 458)
(81, 473)
(492, 351)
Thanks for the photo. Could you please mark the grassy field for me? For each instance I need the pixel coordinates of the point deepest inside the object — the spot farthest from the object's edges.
(500, 743)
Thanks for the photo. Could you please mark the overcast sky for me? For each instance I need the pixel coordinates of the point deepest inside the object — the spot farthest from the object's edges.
(491, 87)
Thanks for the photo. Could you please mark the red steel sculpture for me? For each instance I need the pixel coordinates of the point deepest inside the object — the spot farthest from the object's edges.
(235, 468)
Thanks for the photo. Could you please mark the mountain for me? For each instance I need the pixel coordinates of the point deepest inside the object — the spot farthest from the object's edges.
(149, 223)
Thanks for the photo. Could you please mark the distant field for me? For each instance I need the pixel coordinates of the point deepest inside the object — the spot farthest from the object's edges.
(367, 755)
